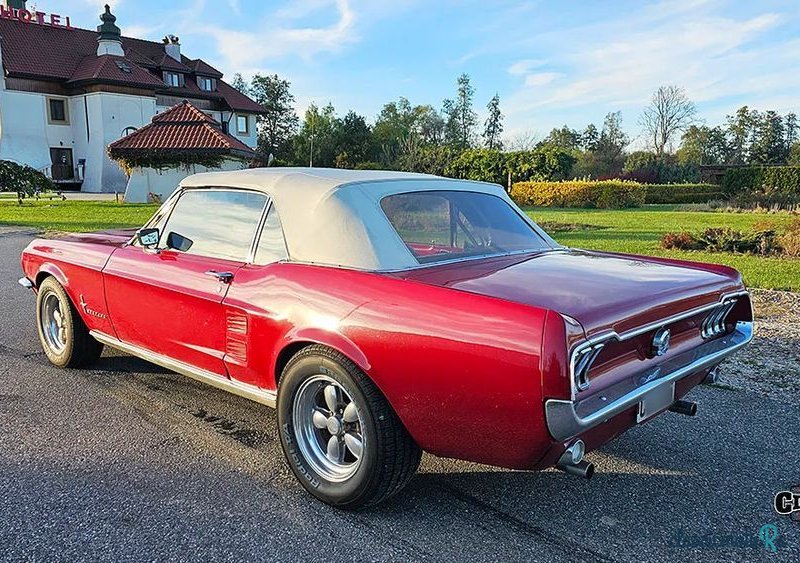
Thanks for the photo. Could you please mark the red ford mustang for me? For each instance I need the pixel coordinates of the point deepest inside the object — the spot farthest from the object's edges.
(384, 314)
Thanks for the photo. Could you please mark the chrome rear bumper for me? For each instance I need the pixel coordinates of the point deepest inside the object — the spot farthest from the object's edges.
(26, 283)
(567, 419)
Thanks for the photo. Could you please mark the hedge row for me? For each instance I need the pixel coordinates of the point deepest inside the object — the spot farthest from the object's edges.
(601, 194)
(682, 193)
(762, 179)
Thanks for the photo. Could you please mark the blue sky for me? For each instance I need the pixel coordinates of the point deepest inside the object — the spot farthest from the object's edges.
(552, 62)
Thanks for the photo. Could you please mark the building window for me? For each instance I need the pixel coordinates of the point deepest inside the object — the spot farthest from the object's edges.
(57, 111)
(242, 125)
(128, 130)
(173, 79)
(206, 84)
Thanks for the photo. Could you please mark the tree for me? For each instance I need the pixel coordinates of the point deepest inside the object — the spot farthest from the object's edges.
(240, 84)
(792, 131)
(794, 155)
(670, 112)
(460, 118)
(702, 145)
(493, 126)
(589, 137)
(609, 152)
(279, 122)
(353, 141)
(769, 144)
(740, 131)
(315, 143)
(564, 138)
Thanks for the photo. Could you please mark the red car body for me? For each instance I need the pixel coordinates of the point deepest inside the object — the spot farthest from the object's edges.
(484, 348)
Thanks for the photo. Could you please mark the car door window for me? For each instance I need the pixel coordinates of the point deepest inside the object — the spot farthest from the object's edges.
(271, 244)
(214, 223)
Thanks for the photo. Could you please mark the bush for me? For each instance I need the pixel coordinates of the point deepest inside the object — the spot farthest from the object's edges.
(482, 165)
(544, 163)
(764, 180)
(22, 179)
(486, 165)
(790, 240)
(679, 241)
(646, 167)
(761, 240)
(682, 193)
(603, 194)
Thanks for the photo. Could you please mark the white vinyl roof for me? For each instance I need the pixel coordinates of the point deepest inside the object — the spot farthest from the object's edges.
(333, 217)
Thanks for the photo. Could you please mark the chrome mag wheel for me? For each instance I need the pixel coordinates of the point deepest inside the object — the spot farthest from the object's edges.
(53, 324)
(328, 428)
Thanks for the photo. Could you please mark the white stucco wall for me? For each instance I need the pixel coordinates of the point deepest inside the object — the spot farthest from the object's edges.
(144, 181)
(26, 136)
(109, 116)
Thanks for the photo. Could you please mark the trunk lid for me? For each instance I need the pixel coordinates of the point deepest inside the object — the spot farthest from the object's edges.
(602, 291)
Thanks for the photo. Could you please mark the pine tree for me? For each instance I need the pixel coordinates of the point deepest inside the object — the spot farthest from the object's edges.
(493, 126)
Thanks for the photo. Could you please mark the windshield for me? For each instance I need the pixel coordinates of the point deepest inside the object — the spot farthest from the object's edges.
(444, 225)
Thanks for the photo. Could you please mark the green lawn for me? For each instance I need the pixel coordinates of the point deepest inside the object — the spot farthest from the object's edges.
(636, 231)
(639, 231)
(73, 215)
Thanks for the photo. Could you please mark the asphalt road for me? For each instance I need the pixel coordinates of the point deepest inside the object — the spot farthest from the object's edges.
(131, 462)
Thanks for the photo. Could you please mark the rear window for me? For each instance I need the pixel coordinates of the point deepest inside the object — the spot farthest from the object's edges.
(445, 225)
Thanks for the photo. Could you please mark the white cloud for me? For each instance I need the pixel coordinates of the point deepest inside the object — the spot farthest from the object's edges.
(610, 66)
(247, 51)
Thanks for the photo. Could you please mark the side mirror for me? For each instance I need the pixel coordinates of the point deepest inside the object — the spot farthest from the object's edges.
(148, 238)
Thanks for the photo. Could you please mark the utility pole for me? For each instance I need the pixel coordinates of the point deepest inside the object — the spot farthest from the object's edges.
(311, 156)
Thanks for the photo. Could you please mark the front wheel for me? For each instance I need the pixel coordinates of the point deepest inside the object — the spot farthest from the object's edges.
(65, 339)
(341, 437)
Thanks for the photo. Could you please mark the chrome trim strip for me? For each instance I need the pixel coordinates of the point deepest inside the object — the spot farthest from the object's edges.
(611, 334)
(231, 385)
(565, 422)
(25, 282)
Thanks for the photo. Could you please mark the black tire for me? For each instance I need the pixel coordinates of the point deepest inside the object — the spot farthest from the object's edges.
(390, 457)
(78, 347)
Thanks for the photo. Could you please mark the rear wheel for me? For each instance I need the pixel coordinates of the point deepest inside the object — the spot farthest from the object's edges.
(341, 438)
(65, 339)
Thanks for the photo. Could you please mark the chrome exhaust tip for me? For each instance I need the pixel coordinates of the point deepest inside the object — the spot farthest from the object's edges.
(583, 469)
(712, 376)
(684, 407)
(572, 462)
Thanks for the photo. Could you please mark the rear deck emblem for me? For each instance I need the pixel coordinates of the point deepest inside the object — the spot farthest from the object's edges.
(661, 342)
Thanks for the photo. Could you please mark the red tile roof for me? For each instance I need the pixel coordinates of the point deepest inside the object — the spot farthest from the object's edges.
(110, 69)
(63, 55)
(184, 113)
(202, 67)
(181, 128)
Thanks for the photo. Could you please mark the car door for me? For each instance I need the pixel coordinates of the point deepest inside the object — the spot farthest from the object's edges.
(169, 299)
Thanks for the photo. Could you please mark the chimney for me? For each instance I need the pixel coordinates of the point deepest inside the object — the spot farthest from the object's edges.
(172, 45)
(109, 42)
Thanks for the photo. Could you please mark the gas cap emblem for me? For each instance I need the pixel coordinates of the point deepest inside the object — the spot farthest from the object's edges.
(661, 342)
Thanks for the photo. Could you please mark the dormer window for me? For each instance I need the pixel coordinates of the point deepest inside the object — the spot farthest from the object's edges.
(174, 79)
(206, 84)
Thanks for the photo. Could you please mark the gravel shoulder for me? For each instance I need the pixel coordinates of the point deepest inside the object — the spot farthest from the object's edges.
(770, 366)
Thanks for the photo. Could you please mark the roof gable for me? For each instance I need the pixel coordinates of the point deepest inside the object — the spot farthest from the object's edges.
(181, 128)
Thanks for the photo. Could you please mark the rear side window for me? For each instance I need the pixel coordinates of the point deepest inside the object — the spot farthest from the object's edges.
(445, 225)
(214, 223)
(271, 244)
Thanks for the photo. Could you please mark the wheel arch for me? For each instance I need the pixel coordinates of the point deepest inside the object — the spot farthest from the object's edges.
(48, 269)
(296, 341)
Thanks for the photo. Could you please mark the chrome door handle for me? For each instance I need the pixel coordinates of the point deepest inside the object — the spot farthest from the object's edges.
(223, 277)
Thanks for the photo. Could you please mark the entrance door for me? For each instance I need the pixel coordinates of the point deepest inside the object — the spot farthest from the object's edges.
(63, 168)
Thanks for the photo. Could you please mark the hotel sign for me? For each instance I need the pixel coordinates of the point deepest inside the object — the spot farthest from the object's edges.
(37, 18)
